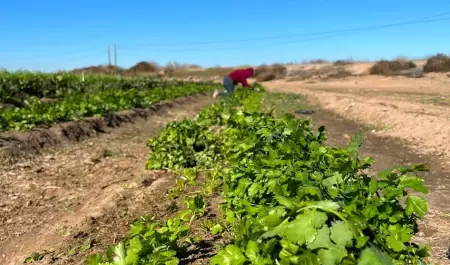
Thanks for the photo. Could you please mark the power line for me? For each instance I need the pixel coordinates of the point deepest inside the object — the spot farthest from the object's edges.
(408, 22)
(338, 33)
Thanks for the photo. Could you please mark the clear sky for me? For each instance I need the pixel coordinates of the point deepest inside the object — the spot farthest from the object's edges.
(49, 35)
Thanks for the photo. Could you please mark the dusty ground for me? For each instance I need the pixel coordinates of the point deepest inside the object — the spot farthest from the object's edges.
(88, 190)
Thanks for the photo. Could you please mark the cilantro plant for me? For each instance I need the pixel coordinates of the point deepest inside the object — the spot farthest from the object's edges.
(97, 102)
(151, 242)
(289, 198)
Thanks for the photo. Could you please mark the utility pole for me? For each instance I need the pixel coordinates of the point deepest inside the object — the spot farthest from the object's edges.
(115, 59)
(109, 57)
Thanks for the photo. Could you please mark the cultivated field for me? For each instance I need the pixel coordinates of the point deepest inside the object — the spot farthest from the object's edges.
(77, 171)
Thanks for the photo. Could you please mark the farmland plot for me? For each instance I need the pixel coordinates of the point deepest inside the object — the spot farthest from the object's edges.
(216, 185)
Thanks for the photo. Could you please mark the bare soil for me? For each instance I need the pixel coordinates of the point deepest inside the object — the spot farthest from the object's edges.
(88, 189)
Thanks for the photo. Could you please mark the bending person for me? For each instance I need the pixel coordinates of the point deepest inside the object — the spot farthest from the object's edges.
(235, 77)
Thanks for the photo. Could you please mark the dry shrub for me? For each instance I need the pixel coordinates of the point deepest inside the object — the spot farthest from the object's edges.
(385, 67)
(269, 72)
(216, 71)
(99, 70)
(262, 69)
(144, 67)
(169, 70)
(264, 77)
(315, 61)
(322, 73)
(342, 62)
(339, 73)
(279, 69)
(439, 63)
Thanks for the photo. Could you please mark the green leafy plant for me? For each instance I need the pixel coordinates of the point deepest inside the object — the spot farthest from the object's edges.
(151, 242)
(96, 100)
(290, 199)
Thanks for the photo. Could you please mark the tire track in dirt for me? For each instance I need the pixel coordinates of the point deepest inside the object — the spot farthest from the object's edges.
(46, 199)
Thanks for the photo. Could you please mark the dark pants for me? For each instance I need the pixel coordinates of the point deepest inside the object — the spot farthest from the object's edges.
(228, 85)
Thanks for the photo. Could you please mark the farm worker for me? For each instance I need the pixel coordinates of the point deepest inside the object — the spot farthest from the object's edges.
(233, 78)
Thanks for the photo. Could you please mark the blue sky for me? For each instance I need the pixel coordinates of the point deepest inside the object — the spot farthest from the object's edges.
(49, 35)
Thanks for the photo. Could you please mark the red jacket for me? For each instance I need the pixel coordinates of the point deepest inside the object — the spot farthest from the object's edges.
(240, 76)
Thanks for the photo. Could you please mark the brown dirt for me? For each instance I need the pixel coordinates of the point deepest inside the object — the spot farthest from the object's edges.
(17, 145)
(90, 188)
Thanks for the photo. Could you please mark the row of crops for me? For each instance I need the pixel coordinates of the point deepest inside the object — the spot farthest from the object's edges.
(288, 198)
(70, 97)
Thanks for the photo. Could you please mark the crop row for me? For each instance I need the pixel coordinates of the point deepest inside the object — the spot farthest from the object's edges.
(91, 104)
(289, 198)
(18, 85)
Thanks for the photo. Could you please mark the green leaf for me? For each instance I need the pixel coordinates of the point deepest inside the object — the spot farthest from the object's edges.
(373, 185)
(287, 131)
(252, 250)
(276, 231)
(288, 203)
(231, 255)
(87, 245)
(332, 255)
(93, 260)
(216, 229)
(395, 244)
(119, 254)
(34, 257)
(316, 218)
(72, 251)
(355, 144)
(361, 241)
(372, 256)
(308, 259)
(322, 239)
(303, 229)
(329, 205)
(416, 205)
(341, 234)
(413, 182)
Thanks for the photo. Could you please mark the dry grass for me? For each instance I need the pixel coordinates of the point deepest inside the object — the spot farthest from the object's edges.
(201, 73)
(100, 70)
(389, 68)
(343, 62)
(438, 63)
(315, 61)
(143, 67)
(265, 73)
(322, 73)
